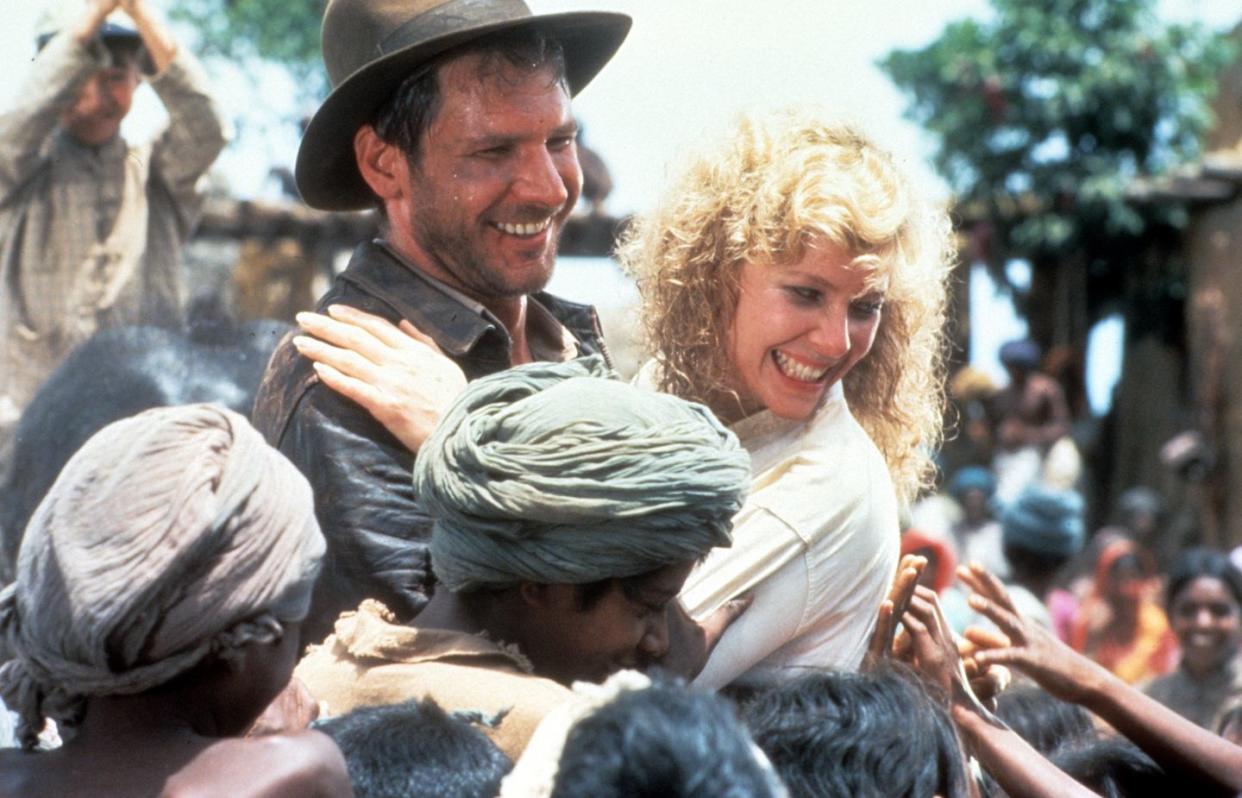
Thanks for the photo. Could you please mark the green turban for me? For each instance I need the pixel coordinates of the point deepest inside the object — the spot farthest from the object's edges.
(559, 473)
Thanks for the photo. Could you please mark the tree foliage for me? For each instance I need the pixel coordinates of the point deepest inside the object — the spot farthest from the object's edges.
(1047, 112)
(285, 32)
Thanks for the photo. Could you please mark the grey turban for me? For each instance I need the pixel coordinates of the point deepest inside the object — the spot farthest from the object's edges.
(559, 473)
(170, 537)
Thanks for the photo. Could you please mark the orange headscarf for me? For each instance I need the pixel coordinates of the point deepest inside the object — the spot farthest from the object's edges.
(1149, 648)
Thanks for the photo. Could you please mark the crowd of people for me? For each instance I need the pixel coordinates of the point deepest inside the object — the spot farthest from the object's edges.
(452, 553)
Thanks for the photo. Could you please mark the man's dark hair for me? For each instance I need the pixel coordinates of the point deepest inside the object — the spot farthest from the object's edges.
(415, 748)
(405, 116)
(666, 741)
(858, 735)
(1044, 721)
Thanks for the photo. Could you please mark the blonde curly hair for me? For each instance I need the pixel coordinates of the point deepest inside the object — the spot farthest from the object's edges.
(784, 182)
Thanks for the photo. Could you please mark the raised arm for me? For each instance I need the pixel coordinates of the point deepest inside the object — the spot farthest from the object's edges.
(196, 131)
(155, 36)
(1175, 743)
(1019, 769)
(53, 81)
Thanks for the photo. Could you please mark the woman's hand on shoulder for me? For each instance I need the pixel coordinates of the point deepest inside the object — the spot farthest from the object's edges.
(395, 372)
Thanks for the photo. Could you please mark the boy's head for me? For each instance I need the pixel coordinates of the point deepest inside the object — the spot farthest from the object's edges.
(833, 735)
(415, 748)
(570, 507)
(104, 99)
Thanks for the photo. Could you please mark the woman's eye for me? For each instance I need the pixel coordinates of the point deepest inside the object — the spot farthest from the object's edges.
(867, 307)
(804, 295)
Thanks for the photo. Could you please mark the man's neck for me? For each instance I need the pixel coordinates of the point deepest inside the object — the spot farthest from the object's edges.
(509, 311)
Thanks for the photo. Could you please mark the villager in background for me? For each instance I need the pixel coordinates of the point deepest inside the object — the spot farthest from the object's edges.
(1204, 602)
(155, 614)
(91, 226)
(1031, 418)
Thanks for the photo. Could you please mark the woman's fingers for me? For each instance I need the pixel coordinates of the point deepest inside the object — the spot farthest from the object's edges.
(343, 335)
(418, 335)
(344, 360)
(379, 328)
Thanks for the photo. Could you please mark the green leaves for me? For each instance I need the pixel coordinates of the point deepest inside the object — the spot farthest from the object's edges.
(281, 31)
(1045, 114)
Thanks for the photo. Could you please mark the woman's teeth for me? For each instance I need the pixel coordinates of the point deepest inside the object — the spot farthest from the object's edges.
(528, 229)
(792, 368)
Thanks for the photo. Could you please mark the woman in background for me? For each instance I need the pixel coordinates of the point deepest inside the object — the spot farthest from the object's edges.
(1204, 600)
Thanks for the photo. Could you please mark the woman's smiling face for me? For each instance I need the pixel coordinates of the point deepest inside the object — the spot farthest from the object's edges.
(1208, 622)
(799, 329)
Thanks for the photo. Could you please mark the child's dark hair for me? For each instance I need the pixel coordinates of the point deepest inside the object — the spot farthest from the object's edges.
(415, 748)
(840, 735)
(1198, 562)
(665, 741)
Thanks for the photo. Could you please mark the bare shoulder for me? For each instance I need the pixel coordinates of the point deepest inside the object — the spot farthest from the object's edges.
(302, 765)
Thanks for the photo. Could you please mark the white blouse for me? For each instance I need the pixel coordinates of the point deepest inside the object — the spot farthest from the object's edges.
(818, 541)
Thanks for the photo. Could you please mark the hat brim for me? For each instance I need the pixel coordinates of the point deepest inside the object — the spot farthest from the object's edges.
(326, 172)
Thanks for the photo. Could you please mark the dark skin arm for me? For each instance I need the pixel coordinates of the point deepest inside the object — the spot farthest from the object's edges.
(1175, 743)
(1019, 769)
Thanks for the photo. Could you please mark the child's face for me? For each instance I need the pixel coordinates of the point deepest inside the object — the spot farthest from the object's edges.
(1208, 622)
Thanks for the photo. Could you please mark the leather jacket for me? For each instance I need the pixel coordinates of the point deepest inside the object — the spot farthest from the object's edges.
(377, 535)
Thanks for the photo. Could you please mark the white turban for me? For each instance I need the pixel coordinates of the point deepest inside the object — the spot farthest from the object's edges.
(168, 538)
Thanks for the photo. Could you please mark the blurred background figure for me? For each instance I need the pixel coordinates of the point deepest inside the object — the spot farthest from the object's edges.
(1120, 624)
(1204, 600)
(1031, 416)
(92, 226)
(978, 534)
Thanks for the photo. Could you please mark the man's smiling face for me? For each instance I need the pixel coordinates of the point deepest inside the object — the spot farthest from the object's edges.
(495, 177)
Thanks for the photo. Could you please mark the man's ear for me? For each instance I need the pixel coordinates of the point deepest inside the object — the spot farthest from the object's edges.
(382, 165)
(535, 594)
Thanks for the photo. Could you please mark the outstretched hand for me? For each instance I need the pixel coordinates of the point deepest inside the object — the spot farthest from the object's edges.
(884, 642)
(398, 374)
(1026, 645)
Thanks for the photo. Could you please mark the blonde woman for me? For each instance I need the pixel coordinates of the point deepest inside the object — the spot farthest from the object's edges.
(793, 280)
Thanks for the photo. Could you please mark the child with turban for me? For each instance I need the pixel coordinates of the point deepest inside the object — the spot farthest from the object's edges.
(569, 507)
(159, 589)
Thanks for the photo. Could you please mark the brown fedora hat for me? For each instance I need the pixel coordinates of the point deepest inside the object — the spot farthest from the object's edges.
(371, 46)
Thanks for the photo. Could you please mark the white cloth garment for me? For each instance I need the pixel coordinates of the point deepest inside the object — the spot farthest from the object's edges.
(818, 540)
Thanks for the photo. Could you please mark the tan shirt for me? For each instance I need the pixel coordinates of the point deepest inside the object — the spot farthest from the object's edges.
(373, 660)
(90, 237)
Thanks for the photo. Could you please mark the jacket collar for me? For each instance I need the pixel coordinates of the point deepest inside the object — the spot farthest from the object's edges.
(455, 321)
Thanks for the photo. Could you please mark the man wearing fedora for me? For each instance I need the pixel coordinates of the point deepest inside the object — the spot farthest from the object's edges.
(453, 119)
(91, 226)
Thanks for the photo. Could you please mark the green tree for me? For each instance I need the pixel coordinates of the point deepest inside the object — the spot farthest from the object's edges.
(284, 32)
(1045, 115)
